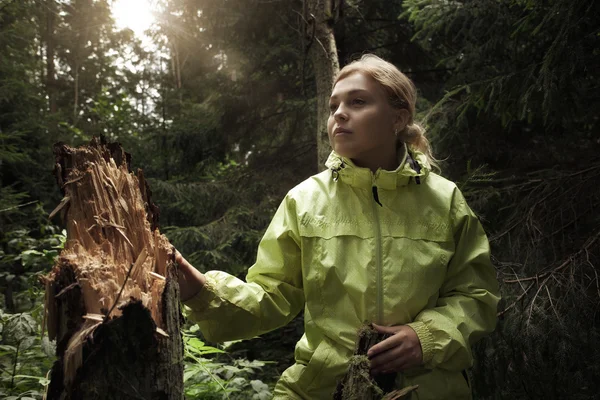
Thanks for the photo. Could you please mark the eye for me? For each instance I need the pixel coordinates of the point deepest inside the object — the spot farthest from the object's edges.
(358, 102)
(332, 107)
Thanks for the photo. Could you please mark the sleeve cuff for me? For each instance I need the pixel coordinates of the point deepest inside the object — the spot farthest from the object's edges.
(201, 300)
(426, 339)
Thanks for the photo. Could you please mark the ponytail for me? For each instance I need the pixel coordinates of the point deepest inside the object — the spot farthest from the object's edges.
(414, 136)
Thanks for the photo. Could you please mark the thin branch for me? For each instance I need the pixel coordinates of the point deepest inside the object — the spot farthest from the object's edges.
(552, 304)
(496, 237)
(501, 313)
(20, 205)
(12, 379)
(560, 267)
(535, 297)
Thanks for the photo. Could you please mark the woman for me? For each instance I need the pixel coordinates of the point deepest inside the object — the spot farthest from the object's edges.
(377, 237)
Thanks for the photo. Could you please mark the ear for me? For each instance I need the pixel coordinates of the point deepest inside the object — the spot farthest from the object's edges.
(402, 116)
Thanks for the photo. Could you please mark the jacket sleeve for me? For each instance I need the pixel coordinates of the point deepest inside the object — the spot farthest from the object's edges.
(466, 308)
(228, 308)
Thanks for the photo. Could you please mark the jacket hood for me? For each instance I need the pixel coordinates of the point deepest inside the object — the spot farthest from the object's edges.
(413, 166)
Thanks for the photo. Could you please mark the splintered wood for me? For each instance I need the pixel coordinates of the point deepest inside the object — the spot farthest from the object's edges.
(114, 254)
(109, 237)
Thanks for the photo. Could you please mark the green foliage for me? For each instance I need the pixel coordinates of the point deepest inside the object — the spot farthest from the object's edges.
(26, 255)
(25, 359)
(222, 229)
(517, 76)
(212, 378)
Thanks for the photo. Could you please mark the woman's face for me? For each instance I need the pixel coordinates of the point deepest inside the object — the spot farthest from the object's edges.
(362, 122)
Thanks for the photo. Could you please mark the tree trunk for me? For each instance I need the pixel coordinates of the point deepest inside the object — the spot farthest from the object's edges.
(177, 67)
(112, 299)
(320, 16)
(75, 91)
(50, 78)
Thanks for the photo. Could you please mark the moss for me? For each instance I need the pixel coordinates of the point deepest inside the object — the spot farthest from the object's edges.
(358, 383)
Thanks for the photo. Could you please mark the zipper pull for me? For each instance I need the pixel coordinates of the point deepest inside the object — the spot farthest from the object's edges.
(376, 196)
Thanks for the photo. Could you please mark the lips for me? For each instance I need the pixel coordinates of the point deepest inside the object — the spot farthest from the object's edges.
(341, 131)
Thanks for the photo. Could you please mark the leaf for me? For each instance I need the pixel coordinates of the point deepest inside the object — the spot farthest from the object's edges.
(197, 346)
(20, 326)
(27, 342)
(238, 381)
(7, 348)
(30, 257)
(191, 371)
(195, 343)
(265, 395)
(259, 386)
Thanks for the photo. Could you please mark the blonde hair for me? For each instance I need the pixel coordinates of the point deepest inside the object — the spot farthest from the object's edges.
(402, 94)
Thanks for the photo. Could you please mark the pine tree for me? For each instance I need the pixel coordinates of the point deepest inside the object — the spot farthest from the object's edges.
(518, 121)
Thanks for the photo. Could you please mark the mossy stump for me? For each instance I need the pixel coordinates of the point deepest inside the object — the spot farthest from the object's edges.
(112, 298)
(358, 383)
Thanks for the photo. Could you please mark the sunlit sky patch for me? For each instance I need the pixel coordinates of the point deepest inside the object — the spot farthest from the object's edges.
(133, 14)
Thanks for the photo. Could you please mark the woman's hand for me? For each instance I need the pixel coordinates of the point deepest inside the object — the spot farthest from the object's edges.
(399, 352)
(191, 281)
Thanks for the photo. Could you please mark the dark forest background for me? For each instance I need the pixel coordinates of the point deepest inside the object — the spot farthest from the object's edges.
(220, 113)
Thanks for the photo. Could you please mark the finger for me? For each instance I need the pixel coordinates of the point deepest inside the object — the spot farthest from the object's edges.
(392, 367)
(182, 262)
(386, 329)
(387, 369)
(396, 365)
(405, 358)
(401, 361)
(384, 345)
(178, 257)
(390, 356)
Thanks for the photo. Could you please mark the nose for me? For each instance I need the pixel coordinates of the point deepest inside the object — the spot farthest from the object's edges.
(340, 114)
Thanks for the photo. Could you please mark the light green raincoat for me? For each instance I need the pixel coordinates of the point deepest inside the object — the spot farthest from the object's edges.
(418, 256)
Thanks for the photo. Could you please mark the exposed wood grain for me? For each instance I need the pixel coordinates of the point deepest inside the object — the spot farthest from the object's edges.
(112, 300)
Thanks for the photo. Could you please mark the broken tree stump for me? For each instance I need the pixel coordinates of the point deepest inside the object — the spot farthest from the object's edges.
(112, 298)
(358, 383)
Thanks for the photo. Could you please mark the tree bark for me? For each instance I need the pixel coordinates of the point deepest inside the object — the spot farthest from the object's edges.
(320, 16)
(112, 299)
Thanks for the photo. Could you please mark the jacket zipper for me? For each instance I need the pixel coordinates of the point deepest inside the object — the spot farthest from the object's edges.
(378, 250)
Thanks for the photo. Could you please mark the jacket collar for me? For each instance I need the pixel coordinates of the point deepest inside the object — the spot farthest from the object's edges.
(413, 164)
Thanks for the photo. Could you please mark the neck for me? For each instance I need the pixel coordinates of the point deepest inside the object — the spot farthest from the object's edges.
(389, 160)
(389, 163)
